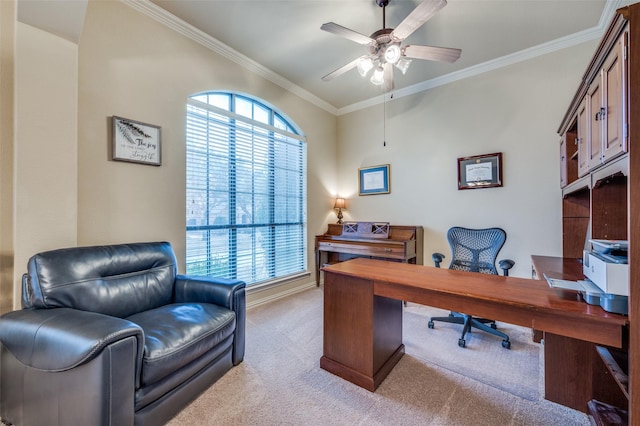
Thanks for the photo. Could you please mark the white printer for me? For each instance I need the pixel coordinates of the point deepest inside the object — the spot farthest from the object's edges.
(606, 265)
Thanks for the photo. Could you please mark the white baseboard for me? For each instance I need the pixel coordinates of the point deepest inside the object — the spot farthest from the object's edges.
(257, 300)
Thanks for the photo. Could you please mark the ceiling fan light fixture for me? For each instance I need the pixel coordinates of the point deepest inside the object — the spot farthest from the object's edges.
(378, 76)
(403, 65)
(392, 53)
(385, 45)
(364, 65)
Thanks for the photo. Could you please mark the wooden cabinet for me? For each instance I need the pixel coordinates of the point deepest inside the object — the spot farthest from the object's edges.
(603, 200)
(594, 128)
(614, 101)
(600, 120)
(568, 158)
(583, 140)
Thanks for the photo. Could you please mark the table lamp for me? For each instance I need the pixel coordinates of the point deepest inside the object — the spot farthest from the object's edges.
(340, 204)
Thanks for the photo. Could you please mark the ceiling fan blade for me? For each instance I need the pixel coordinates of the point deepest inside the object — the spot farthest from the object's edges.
(341, 31)
(432, 53)
(387, 84)
(421, 14)
(342, 70)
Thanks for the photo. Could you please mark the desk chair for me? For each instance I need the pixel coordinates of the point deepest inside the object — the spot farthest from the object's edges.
(474, 250)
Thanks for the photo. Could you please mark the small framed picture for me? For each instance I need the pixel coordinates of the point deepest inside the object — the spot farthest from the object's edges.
(480, 171)
(135, 142)
(374, 180)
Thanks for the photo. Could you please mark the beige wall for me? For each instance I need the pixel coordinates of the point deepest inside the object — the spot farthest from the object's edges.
(515, 110)
(134, 67)
(7, 144)
(46, 133)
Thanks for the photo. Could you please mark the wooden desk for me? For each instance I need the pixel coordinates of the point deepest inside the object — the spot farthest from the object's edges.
(363, 312)
(591, 379)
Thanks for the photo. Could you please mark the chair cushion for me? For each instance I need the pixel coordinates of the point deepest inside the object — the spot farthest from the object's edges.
(179, 333)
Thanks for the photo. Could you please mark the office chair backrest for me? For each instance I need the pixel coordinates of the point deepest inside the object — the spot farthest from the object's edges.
(475, 250)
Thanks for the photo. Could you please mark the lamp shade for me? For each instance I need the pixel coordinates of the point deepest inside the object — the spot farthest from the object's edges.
(378, 76)
(340, 204)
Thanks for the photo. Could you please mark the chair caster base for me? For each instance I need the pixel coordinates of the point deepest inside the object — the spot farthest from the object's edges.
(506, 344)
(462, 343)
(430, 324)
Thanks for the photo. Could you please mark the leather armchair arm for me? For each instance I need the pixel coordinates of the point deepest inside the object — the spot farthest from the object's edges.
(219, 291)
(505, 265)
(437, 258)
(61, 339)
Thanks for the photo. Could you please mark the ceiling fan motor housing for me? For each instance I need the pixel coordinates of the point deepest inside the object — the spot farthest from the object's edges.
(383, 40)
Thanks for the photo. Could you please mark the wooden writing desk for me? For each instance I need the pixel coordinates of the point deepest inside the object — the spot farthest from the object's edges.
(363, 314)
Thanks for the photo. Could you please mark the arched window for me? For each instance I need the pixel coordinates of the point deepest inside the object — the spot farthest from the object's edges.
(246, 190)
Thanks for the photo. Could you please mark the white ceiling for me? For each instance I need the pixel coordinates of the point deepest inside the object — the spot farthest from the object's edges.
(284, 36)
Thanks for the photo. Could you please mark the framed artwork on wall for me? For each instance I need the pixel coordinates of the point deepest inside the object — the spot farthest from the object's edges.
(135, 142)
(480, 171)
(374, 180)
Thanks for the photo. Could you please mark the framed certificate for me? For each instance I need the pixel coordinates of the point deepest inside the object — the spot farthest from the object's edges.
(374, 180)
(480, 171)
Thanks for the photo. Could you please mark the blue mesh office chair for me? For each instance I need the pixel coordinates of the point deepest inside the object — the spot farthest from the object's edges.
(474, 250)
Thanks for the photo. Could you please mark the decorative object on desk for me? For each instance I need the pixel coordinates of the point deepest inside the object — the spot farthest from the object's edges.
(340, 205)
(135, 142)
(480, 171)
(374, 180)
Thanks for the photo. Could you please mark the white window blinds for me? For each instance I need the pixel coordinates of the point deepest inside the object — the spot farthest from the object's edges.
(246, 190)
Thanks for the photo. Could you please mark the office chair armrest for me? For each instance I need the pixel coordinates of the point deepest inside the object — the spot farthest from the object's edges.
(505, 265)
(437, 258)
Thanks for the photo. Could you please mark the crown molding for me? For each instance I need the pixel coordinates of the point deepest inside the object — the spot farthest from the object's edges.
(150, 9)
(156, 12)
(504, 61)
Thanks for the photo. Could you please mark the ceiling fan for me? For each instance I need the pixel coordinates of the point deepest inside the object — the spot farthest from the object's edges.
(385, 50)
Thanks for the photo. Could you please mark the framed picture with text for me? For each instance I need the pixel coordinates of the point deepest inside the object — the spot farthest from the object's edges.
(480, 171)
(374, 180)
(135, 142)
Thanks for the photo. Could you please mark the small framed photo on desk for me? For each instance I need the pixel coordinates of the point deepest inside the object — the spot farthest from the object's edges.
(480, 171)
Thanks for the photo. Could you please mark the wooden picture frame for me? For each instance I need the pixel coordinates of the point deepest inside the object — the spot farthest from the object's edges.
(374, 180)
(480, 171)
(135, 142)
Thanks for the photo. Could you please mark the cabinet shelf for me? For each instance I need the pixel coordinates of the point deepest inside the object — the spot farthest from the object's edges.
(617, 364)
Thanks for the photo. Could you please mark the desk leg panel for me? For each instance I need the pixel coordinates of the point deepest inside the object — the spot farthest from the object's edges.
(568, 378)
(362, 333)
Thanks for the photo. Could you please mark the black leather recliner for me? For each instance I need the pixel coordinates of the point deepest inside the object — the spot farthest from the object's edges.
(111, 335)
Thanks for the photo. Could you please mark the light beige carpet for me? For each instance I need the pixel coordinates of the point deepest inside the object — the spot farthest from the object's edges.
(280, 381)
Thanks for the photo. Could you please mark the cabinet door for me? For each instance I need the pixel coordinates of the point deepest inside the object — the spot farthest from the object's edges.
(595, 113)
(568, 158)
(615, 101)
(563, 162)
(583, 140)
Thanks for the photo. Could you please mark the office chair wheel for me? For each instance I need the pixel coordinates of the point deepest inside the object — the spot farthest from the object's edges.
(506, 344)
(462, 343)
(493, 325)
(430, 324)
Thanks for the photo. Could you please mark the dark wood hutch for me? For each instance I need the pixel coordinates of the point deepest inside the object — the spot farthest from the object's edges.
(600, 178)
